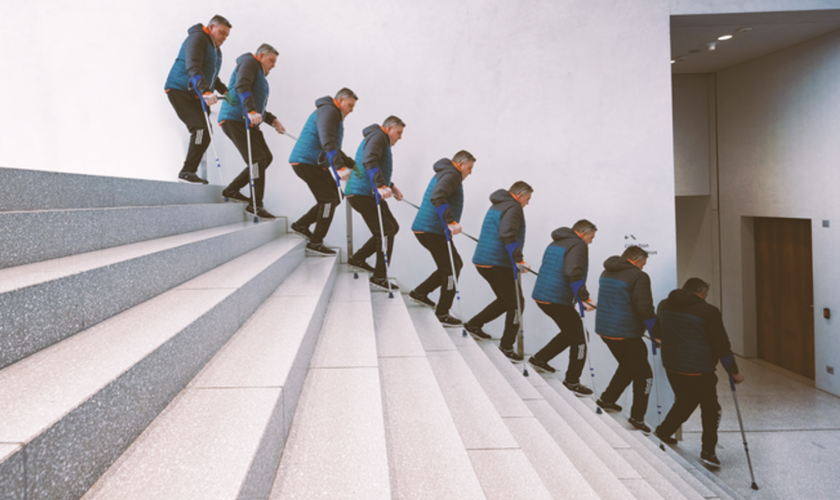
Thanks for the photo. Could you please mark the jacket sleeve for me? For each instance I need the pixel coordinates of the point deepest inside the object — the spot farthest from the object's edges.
(718, 339)
(444, 190)
(195, 49)
(574, 266)
(221, 87)
(246, 74)
(641, 297)
(269, 118)
(374, 149)
(509, 226)
(328, 121)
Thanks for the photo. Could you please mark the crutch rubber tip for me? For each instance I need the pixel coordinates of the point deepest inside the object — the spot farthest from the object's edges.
(754, 486)
(390, 295)
(463, 333)
(256, 220)
(598, 410)
(355, 276)
(525, 372)
(661, 446)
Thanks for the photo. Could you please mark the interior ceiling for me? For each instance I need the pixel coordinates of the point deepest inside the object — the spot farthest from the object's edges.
(771, 31)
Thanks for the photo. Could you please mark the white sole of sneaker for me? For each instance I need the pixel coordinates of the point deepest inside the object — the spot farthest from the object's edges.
(313, 253)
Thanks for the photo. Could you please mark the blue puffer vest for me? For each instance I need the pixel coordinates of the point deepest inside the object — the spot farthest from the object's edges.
(359, 183)
(179, 78)
(231, 107)
(616, 317)
(490, 250)
(427, 219)
(551, 285)
(308, 146)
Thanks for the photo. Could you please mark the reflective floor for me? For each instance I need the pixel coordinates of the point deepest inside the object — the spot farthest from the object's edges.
(793, 431)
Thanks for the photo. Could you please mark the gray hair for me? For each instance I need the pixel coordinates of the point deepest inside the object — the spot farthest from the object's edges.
(346, 93)
(462, 156)
(217, 19)
(634, 252)
(583, 226)
(521, 188)
(393, 121)
(267, 49)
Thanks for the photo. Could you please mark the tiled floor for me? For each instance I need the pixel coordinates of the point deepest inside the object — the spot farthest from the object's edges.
(793, 431)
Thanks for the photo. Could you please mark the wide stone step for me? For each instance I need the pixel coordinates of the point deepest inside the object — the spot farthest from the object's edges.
(74, 407)
(426, 455)
(538, 465)
(22, 189)
(34, 236)
(336, 447)
(46, 302)
(223, 436)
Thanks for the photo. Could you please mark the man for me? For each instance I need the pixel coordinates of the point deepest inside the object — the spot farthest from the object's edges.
(562, 280)
(374, 154)
(625, 309)
(317, 158)
(444, 197)
(499, 246)
(197, 68)
(693, 339)
(249, 79)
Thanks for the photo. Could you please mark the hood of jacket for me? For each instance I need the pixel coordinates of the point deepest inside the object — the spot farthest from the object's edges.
(196, 28)
(326, 101)
(616, 264)
(501, 195)
(563, 233)
(681, 297)
(371, 129)
(445, 164)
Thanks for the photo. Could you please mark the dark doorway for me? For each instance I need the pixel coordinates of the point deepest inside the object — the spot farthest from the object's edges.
(785, 293)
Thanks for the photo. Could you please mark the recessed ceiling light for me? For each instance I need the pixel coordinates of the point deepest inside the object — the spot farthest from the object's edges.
(673, 61)
(723, 38)
(745, 29)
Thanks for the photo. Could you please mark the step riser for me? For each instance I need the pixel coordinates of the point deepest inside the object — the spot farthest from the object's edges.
(41, 315)
(65, 460)
(27, 237)
(36, 190)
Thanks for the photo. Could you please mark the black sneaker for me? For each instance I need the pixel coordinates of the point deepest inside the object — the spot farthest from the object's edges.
(579, 389)
(421, 299)
(541, 366)
(319, 250)
(235, 195)
(639, 424)
(448, 321)
(610, 407)
(476, 332)
(665, 439)
(710, 459)
(190, 178)
(261, 212)
(303, 231)
(358, 264)
(511, 354)
(382, 284)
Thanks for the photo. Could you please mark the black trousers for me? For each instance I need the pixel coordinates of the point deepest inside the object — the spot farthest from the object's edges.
(437, 245)
(322, 184)
(366, 206)
(633, 367)
(689, 392)
(504, 286)
(571, 335)
(260, 155)
(188, 108)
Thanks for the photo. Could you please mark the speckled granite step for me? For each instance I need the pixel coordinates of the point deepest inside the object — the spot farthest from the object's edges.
(336, 447)
(223, 435)
(22, 189)
(510, 455)
(75, 406)
(426, 455)
(34, 236)
(46, 302)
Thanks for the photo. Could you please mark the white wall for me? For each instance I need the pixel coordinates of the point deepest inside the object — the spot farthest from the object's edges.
(573, 97)
(691, 134)
(778, 118)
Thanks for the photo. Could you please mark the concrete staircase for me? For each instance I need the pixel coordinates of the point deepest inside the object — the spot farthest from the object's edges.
(155, 343)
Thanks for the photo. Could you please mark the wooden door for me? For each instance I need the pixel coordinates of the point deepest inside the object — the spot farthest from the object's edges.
(785, 293)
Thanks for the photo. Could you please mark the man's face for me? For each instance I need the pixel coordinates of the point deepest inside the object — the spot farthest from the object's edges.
(524, 199)
(395, 133)
(346, 105)
(219, 33)
(640, 262)
(588, 237)
(268, 61)
(466, 168)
